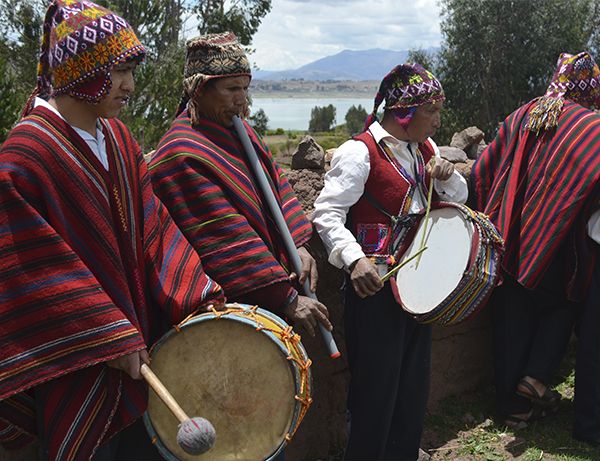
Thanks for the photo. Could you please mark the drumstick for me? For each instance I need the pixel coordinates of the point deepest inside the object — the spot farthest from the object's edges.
(196, 435)
(402, 264)
(429, 196)
(284, 231)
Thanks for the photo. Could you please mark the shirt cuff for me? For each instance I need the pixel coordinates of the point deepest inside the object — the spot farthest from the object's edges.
(351, 253)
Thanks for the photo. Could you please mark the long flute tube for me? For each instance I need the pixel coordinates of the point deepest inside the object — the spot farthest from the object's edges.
(277, 214)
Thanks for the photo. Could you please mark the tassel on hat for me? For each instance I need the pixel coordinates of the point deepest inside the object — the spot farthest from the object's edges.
(577, 78)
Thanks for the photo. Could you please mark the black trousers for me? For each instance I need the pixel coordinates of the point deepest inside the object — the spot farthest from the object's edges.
(390, 358)
(531, 331)
(587, 368)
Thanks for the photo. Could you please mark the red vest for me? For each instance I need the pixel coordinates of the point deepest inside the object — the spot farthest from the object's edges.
(391, 191)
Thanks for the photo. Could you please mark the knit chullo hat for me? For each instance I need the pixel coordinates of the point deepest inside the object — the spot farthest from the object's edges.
(405, 88)
(577, 78)
(81, 43)
(211, 56)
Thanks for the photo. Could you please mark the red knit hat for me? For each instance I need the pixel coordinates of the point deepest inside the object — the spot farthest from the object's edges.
(81, 43)
(404, 88)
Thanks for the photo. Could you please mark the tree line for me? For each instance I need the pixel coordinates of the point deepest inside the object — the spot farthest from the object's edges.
(495, 55)
(161, 26)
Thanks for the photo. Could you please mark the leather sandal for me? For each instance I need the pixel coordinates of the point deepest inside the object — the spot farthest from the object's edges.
(518, 422)
(550, 398)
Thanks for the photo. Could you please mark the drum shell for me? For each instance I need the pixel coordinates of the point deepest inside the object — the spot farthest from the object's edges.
(478, 278)
(246, 372)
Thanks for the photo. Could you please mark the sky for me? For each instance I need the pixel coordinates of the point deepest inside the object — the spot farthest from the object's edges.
(297, 32)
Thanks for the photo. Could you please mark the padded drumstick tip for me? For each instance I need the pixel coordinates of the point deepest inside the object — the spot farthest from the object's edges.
(196, 435)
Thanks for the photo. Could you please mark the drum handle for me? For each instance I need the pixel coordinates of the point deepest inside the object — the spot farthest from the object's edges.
(195, 436)
(160, 389)
(292, 251)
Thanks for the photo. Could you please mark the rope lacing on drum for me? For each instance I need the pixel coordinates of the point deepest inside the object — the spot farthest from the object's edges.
(210, 307)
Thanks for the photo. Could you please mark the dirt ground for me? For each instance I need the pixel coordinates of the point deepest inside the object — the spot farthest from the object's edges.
(461, 428)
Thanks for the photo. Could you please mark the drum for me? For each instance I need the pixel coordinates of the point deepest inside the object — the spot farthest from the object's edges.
(244, 370)
(455, 275)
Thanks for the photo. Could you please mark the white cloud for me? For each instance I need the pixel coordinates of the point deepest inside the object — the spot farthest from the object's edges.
(297, 32)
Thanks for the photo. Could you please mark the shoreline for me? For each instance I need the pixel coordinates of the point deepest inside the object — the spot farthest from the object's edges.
(313, 89)
(310, 95)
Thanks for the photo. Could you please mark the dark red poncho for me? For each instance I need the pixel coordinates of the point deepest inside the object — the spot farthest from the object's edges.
(91, 267)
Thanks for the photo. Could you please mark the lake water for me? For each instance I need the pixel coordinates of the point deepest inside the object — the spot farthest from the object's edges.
(294, 113)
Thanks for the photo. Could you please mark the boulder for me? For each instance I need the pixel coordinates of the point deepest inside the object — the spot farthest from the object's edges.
(329, 155)
(453, 154)
(465, 168)
(480, 148)
(309, 155)
(467, 138)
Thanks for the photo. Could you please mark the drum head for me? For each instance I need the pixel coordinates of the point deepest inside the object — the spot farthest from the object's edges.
(238, 378)
(442, 265)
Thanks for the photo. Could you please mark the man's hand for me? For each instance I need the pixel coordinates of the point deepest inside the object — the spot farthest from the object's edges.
(365, 278)
(440, 168)
(309, 269)
(131, 363)
(306, 312)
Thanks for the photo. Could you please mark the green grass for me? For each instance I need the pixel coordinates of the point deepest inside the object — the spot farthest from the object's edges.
(462, 428)
(284, 144)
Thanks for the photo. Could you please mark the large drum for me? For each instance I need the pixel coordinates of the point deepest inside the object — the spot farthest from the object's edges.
(454, 276)
(244, 370)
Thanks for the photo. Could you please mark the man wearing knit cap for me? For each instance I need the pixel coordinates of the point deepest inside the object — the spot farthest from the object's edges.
(93, 269)
(201, 173)
(538, 182)
(376, 181)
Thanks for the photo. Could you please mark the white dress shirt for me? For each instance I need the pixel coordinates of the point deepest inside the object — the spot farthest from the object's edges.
(345, 184)
(97, 144)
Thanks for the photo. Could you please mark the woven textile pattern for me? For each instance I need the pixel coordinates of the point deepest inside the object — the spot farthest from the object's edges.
(203, 177)
(92, 268)
(539, 191)
(83, 40)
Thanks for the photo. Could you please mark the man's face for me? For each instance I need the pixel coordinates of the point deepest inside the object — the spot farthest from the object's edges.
(222, 98)
(425, 122)
(122, 87)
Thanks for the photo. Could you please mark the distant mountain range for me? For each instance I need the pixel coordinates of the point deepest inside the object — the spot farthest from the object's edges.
(346, 65)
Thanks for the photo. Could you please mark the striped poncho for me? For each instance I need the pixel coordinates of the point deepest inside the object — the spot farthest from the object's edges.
(539, 191)
(202, 176)
(92, 267)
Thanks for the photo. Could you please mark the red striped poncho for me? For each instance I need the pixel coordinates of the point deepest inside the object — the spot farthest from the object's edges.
(540, 190)
(91, 267)
(202, 176)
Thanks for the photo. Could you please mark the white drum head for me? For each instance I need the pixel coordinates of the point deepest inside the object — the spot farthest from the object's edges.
(441, 266)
